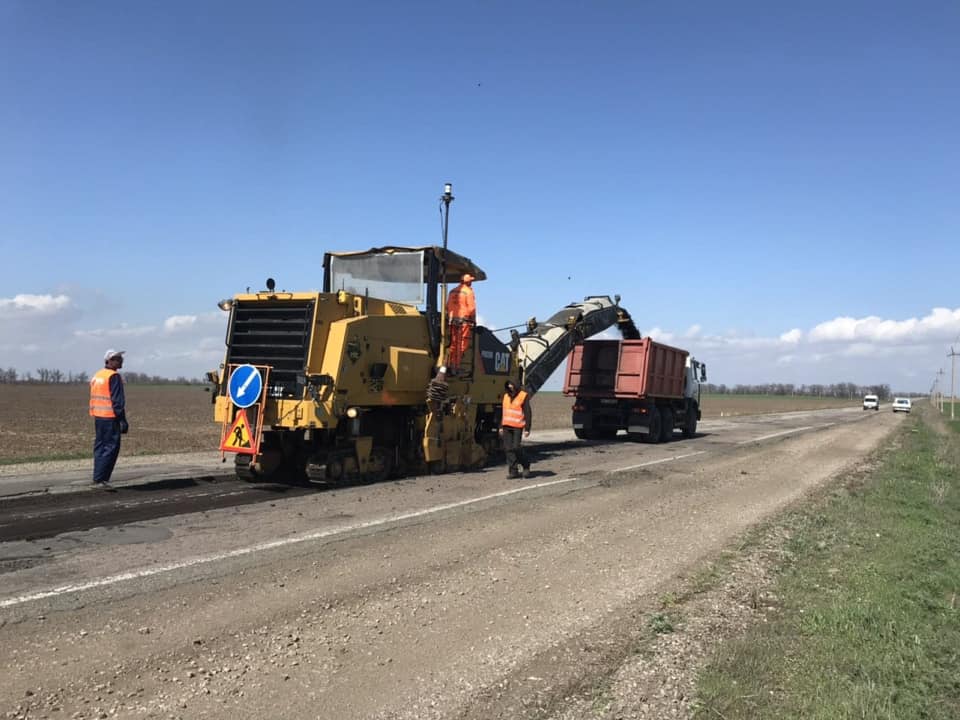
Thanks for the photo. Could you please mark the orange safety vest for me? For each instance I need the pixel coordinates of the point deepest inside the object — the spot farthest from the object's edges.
(100, 403)
(462, 303)
(513, 410)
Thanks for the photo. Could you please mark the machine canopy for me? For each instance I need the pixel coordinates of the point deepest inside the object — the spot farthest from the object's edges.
(397, 274)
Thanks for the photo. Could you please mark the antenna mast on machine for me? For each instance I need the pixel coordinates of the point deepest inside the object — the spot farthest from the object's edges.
(446, 199)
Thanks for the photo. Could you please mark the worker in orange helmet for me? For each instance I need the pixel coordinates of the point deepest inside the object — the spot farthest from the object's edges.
(461, 319)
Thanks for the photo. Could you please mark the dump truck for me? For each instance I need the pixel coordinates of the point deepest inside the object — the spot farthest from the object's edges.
(349, 384)
(643, 387)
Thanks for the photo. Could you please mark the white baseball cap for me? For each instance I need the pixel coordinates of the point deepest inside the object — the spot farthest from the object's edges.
(112, 353)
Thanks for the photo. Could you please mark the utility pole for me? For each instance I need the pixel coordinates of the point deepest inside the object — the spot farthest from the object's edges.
(953, 374)
(939, 391)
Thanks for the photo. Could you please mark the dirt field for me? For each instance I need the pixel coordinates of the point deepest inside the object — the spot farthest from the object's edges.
(51, 421)
(727, 405)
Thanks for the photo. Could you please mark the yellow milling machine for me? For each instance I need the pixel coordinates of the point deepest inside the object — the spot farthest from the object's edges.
(348, 384)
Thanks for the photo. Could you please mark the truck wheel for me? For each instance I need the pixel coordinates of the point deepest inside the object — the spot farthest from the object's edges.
(581, 433)
(690, 426)
(666, 425)
(654, 426)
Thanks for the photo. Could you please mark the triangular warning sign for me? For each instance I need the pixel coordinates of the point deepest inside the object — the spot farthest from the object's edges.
(239, 438)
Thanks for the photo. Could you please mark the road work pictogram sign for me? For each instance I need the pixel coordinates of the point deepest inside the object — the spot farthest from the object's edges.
(240, 438)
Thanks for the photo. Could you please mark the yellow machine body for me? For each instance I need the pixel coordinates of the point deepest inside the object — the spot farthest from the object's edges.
(351, 383)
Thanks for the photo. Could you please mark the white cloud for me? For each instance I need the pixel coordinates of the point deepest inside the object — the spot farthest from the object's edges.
(867, 350)
(176, 323)
(47, 330)
(941, 324)
(121, 331)
(33, 305)
(660, 335)
(859, 350)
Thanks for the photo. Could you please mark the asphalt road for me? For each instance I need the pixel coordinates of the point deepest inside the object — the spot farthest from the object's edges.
(411, 598)
(39, 502)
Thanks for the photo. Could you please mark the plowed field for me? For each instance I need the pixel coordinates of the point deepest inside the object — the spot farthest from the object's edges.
(43, 422)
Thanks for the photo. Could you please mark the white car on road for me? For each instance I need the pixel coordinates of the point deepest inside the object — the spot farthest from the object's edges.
(902, 405)
(871, 402)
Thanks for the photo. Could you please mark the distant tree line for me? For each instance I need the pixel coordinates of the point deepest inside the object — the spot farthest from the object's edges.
(53, 376)
(837, 390)
(48, 376)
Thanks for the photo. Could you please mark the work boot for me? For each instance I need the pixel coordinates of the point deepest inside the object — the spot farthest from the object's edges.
(526, 473)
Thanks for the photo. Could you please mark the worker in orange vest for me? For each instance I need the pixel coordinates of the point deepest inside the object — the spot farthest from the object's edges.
(108, 409)
(515, 423)
(461, 319)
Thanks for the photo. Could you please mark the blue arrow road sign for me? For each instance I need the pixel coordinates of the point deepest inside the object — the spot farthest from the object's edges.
(245, 386)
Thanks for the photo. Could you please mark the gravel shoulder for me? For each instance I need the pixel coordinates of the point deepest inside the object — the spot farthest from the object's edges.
(532, 607)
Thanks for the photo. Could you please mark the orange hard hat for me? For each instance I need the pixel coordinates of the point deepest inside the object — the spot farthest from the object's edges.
(467, 277)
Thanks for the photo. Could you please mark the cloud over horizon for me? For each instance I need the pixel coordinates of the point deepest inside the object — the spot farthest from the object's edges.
(867, 350)
(45, 330)
(25, 305)
(941, 323)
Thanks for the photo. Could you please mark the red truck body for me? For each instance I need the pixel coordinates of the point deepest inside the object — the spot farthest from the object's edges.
(637, 386)
(629, 369)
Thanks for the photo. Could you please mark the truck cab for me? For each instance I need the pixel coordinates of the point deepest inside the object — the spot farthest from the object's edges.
(696, 373)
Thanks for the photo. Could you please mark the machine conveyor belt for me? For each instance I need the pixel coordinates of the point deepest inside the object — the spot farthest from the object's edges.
(545, 345)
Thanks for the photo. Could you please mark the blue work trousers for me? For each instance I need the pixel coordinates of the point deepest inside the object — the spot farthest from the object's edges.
(516, 455)
(106, 448)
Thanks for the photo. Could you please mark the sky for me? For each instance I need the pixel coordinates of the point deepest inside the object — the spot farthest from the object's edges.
(771, 186)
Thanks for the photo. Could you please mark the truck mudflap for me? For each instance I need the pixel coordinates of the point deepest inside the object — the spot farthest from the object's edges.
(545, 346)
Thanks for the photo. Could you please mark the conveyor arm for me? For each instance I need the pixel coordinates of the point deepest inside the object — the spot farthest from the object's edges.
(544, 346)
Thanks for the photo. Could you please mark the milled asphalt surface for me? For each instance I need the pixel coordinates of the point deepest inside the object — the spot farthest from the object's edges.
(76, 475)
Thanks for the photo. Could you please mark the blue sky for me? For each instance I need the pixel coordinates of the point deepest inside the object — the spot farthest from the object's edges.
(775, 188)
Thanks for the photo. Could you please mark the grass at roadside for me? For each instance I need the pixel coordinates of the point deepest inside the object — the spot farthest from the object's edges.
(955, 423)
(869, 622)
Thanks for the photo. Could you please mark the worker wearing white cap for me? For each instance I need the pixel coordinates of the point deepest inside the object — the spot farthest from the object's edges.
(108, 409)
